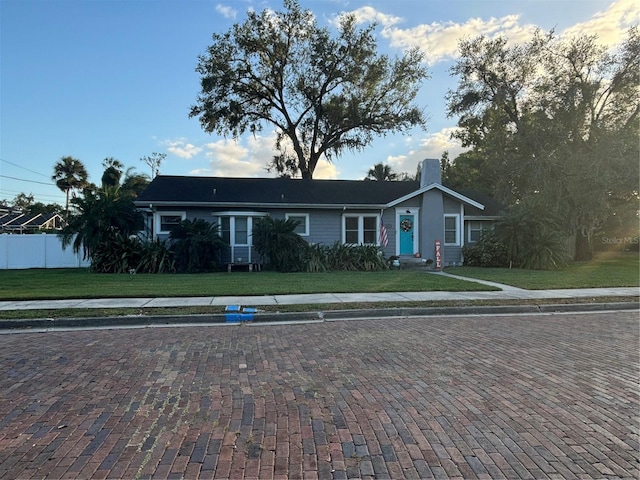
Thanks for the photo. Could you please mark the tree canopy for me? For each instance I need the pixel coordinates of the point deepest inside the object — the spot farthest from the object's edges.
(322, 94)
(555, 120)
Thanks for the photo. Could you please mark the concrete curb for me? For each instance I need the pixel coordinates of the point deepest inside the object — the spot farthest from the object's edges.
(332, 315)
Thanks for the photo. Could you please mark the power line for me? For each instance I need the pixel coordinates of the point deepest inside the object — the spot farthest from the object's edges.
(24, 168)
(29, 181)
(4, 191)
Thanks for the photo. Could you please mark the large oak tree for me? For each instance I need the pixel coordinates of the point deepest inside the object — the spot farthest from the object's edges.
(323, 94)
(553, 121)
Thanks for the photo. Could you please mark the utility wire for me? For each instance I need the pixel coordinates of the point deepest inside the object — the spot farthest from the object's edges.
(30, 181)
(24, 168)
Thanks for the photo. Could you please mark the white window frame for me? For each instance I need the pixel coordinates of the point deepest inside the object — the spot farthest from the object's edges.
(360, 217)
(287, 216)
(456, 216)
(157, 220)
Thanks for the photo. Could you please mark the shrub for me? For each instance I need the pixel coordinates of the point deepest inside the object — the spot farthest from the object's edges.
(279, 245)
(533, 238)
(355, 257)
(155, 257)
(545, 249)
(116, 254)
(316, 258)
(196, 246)
(488, 252)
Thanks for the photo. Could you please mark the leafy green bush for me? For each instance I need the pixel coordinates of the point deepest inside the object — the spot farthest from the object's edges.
(121, 254)
(355, 258)
(279, 245)
(196, 246)
(116, 254)
(155, 257)
(488, 252)
(533, 238)
(316, 258)
(546, 249)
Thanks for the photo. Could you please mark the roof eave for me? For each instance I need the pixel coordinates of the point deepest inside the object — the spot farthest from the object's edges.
(440, 187)
(336, 206)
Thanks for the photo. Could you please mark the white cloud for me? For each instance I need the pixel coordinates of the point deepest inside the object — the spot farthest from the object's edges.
(245, 157)
(370, 15)
(229, 158)
(431, 146)
(439, 41)
(181, 148)
(227, 12)
(611, 25)
(325, 170)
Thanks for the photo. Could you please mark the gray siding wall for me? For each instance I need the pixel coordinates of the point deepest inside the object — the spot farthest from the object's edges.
(452, 255)
(451, 205)
(325, 226)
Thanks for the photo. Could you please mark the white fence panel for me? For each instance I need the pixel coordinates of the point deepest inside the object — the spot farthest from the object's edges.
(37, 251)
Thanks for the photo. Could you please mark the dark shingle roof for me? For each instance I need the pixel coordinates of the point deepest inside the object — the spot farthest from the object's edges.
(492, 208)
(171, 190)
(271, 191)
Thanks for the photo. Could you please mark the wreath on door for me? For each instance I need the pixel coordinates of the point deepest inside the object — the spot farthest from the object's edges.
(406, 225)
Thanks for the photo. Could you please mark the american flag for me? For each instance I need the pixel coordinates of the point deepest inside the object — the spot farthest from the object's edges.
(384, 239)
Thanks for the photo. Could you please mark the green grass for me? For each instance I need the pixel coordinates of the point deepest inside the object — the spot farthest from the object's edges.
(80, 283)
(612, 270)
(605, 270)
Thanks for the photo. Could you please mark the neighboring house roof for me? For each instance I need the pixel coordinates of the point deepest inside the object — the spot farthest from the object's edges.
(18, 222)
(185, 191)
(265, 192)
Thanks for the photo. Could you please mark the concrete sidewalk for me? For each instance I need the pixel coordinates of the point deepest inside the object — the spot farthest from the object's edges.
(506, 292)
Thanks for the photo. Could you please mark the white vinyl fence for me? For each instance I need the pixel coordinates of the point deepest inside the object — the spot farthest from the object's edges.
(37, 251)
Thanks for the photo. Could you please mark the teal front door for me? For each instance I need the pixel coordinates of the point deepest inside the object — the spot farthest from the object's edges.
(406, 234)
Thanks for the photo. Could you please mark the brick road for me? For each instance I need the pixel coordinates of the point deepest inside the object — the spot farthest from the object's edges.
(550, 396)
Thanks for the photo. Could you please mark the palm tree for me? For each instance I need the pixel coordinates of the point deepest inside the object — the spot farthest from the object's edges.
(112, 172)
(277, 242)
(69, 173)
(196, 245)
(134, 183)
(381, 173)
(102, 215)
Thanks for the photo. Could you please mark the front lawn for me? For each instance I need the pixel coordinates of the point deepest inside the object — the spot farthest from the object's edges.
(80, 283)
(605, 270)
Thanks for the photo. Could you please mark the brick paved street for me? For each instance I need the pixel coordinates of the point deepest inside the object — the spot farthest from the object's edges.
(549, 396)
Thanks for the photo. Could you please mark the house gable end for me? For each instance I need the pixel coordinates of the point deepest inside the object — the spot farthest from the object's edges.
(443, 189)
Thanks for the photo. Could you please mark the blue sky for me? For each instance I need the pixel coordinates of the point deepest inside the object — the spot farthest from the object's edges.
(115, 78)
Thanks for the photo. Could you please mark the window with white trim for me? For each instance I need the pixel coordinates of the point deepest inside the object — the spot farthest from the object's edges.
(303, 227)
(168, 220)
(235, 229)
(477, 229)
(452, 229)
(360, 229)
